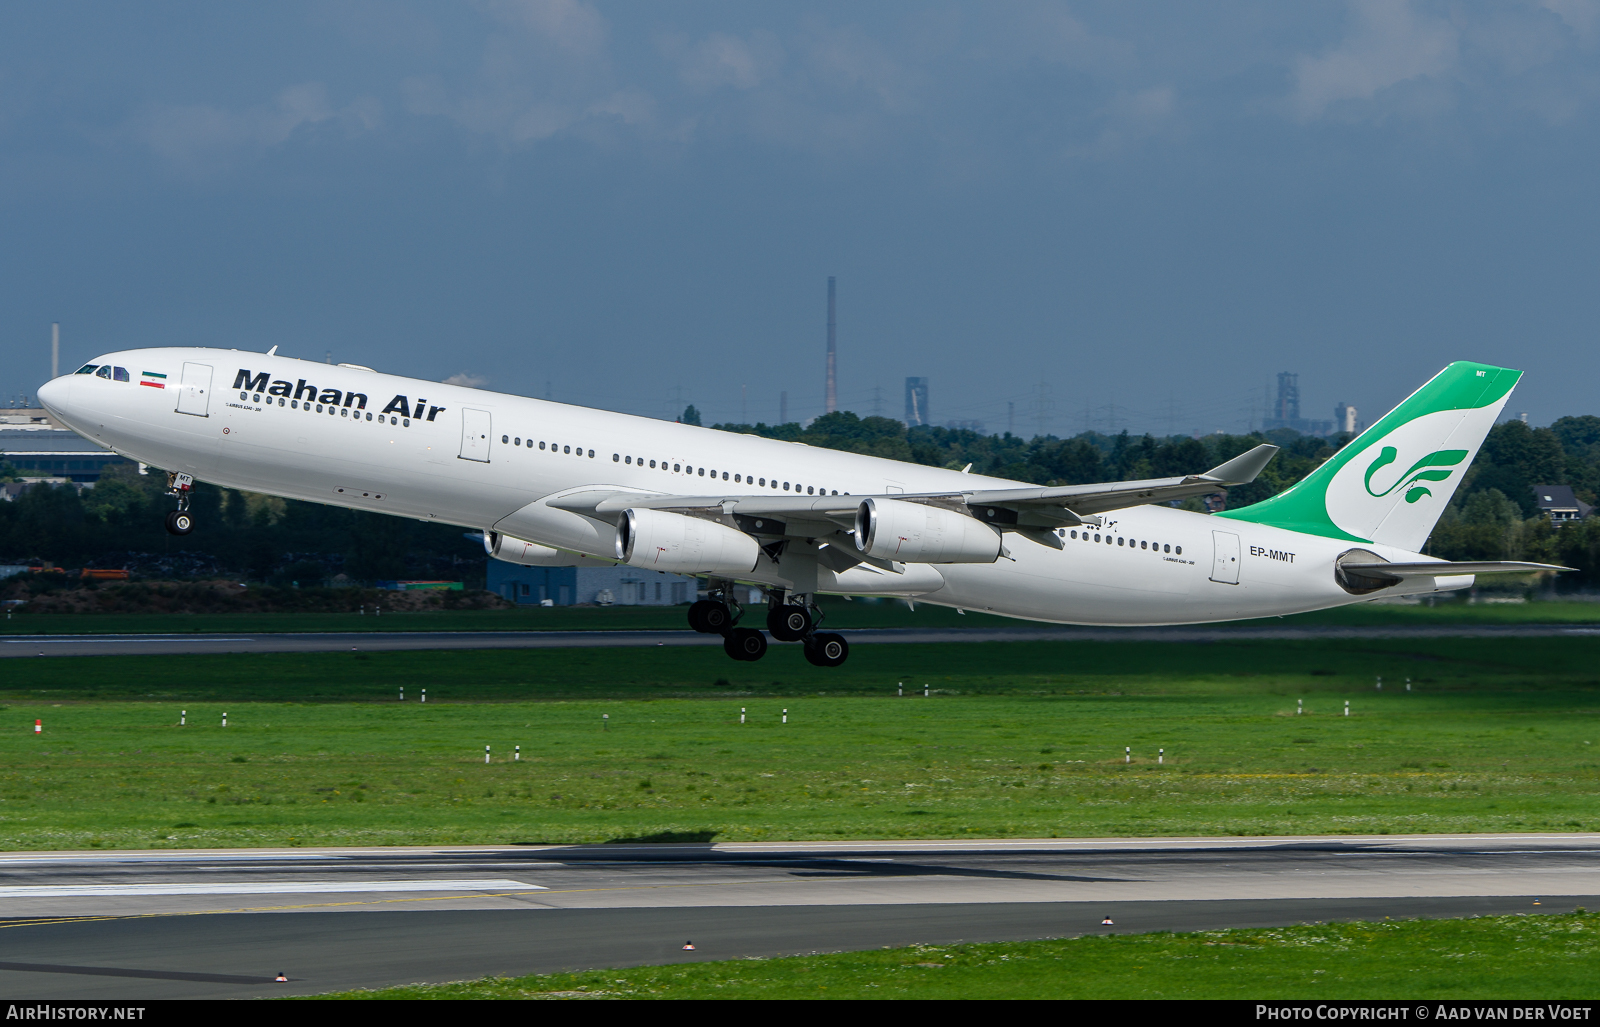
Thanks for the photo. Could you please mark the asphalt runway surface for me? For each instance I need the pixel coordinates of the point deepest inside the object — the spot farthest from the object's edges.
(383, 641)
(222, 923)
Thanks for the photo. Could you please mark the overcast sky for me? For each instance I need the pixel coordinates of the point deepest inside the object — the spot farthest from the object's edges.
(1145, 209)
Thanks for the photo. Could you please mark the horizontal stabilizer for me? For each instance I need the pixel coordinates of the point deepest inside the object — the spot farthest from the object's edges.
(1440, 568)
(1244, 468)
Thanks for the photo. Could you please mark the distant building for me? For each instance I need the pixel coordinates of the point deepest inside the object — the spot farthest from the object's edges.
(48, 452)
(27, 417)
(568, 586)
(1286, 410)
(1559, 504)
(976, 426)
(916, 402)
(1345, 419)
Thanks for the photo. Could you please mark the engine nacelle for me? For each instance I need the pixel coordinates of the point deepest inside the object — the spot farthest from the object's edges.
(892, 529)
(655, 540)
(532, 554)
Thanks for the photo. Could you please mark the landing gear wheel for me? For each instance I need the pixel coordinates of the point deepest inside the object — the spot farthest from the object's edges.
(746, 644)
(180, 522)
(826, 649)
(710, 617)
(788, 623)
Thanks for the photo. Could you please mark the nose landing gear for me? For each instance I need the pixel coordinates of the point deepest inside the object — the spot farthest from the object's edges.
(180, 521)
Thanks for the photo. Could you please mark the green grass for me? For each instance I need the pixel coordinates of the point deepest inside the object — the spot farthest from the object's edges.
(1019, 739)
(1502, 957)
(861, 613)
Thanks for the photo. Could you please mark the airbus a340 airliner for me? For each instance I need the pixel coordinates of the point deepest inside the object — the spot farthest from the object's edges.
(554, 485)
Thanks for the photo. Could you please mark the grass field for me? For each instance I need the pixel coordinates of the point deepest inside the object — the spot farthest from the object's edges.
(841, 615)
(1017, 739)
(1504, 957)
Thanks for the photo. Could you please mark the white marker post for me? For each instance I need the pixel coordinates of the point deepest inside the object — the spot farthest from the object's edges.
(1380, 682)
(183, 717)
(1161, 755)
(402, 693)
(1127, 754)
(1347, 707)
(605, 722)
(741, 714)
(900, 690)
(924, 690)
(786, 716)
(1299, 706)
(1408, 684)
(224, 718)
(486, 754)
(516, 755)
(424, 695)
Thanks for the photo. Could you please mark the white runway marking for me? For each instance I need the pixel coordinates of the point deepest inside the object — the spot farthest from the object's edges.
(259, 888)
(69, 640)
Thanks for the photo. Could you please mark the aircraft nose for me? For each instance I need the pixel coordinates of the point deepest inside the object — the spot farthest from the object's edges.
(54, 393)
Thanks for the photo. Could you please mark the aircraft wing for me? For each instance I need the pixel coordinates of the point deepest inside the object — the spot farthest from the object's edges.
(1033, 511)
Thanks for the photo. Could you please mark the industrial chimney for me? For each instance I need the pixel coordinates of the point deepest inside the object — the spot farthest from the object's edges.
(832, 397)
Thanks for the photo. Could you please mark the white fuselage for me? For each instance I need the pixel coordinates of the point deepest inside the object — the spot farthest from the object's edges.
(474, 458)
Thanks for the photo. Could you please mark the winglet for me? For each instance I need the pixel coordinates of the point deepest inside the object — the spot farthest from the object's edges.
(1242, 469)
(272, 352)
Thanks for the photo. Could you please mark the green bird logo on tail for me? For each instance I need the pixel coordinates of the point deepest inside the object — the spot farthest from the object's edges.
(1441, 458)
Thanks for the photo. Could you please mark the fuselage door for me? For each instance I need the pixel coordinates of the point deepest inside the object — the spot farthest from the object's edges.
(476, 428)
(194, 394)
(1225, 558)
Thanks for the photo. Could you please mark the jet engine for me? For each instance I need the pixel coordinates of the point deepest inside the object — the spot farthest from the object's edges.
(892, 529)
(655, 540)
(532, 554)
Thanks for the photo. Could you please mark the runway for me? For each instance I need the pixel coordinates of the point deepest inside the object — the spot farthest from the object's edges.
(385, 641)
(222, 923)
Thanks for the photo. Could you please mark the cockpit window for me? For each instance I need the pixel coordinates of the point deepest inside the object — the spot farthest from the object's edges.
(87, 369)
(104, 372)
(120, 373)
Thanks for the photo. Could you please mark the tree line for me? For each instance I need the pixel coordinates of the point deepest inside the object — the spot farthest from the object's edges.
(118, 523)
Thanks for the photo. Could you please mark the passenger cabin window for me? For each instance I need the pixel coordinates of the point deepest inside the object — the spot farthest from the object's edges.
(566, 449)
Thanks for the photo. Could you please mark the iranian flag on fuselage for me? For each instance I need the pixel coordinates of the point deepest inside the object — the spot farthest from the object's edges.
(152, 379)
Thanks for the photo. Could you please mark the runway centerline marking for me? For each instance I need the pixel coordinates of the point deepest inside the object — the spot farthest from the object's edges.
(47, 891)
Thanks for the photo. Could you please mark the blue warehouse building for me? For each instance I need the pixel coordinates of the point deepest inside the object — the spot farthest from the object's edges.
(568, 586)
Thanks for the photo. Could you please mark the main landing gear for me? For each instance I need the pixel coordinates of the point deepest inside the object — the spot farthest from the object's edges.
(180, 521)
(719, 614)
(791, 622)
